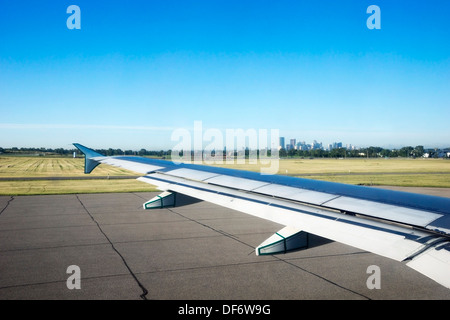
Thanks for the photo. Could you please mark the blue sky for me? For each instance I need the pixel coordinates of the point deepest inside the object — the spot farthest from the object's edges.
(136, 72)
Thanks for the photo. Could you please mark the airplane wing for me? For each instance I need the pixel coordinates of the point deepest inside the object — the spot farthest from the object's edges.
(407, 227)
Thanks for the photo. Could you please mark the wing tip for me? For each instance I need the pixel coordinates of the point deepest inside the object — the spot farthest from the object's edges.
(89, 163)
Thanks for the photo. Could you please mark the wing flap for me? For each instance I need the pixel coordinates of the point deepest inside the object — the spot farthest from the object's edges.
(235, 182)
(191, 174)
(383, 211)
(434, 263)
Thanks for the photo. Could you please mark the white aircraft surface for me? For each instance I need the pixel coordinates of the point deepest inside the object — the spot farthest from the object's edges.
(407, 227)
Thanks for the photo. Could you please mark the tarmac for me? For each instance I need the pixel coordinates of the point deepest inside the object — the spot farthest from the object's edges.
(106, 247)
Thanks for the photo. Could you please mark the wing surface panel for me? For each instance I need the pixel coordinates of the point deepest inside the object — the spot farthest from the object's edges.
(384, 211)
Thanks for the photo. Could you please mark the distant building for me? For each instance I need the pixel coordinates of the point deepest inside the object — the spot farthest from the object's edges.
(317, 145)
(335, 145)
(292, 144)
(282, 145)
(302, 145)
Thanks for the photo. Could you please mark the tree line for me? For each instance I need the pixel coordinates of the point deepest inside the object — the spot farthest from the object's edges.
(370, 152)
(69, 152)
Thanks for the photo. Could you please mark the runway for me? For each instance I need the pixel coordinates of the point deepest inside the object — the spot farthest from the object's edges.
(196, 251)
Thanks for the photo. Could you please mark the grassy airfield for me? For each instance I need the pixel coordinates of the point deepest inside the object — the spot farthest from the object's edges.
(28, 175)
(17, 174)
(402, 172)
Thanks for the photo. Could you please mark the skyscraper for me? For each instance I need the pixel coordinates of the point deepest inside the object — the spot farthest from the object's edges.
(292, 144)
(282, 145)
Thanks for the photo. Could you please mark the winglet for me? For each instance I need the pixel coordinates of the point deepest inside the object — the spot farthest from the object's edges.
(89, 154)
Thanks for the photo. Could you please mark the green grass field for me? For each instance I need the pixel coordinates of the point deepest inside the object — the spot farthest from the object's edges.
(35, 187)
(389, 172)
(40, 167)
(356, 165)
(51, 167)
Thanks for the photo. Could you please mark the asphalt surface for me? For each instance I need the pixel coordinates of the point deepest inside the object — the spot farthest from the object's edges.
(192, 252)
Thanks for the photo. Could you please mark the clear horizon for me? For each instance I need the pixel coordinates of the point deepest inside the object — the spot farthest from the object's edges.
(136, 72)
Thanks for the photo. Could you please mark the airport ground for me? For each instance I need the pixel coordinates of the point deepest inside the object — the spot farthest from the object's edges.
(196, 251)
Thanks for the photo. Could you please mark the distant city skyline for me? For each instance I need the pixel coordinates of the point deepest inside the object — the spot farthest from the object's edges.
(128, 74)
(315, 144)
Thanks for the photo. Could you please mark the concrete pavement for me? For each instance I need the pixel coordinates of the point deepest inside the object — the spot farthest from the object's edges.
(196, 251)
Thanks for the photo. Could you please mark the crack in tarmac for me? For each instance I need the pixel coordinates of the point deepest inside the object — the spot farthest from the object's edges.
(144, 290)
(7, 204)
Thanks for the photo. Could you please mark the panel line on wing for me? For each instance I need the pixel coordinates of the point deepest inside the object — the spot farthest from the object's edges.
(330, 200)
